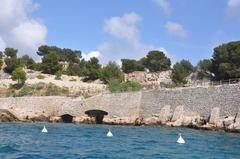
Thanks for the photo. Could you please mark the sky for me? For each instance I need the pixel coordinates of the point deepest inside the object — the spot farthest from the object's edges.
(117, 29)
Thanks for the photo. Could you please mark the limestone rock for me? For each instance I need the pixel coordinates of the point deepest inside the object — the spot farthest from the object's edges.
(84, 119)
(119, 120)
(215, 116)
(6, 116)
(228, 121)
(165, 114)
(40, 118)
(151, 121)
(138, 121)
(177, 123)
(237, 118)
(178, 113)
(55, 119)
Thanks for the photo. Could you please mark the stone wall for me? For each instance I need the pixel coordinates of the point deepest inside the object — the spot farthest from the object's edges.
(29, 107)
(200, 99)
(132, 105)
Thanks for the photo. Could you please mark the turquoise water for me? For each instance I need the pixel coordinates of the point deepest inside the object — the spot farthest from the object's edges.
(69, 141)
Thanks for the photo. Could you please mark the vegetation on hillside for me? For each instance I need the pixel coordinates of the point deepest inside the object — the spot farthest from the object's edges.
(224, 64)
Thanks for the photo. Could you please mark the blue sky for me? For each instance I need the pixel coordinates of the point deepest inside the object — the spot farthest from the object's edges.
(111, 30)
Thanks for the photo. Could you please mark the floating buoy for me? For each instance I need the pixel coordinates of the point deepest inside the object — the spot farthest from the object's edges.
(180, 139)
(109, 134)
(44, 130)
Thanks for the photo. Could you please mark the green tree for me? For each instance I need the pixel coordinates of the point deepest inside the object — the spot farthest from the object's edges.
(50, 63)
(10, 52)
(71, 56)
(11, 60)
(204, 68)
(27, 61)
(19, 75)
(112, 71)
(93, 69)
(180, 71)
(157, 61)
(65, 54)
(1, 60)
(226, 61)
(73, 69)
(129, 65)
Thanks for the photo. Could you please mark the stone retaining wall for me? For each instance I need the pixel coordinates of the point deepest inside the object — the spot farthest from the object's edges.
(132, 106)
(200, 100)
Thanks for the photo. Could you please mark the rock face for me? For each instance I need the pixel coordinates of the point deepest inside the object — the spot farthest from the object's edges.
(41, 118)
(215, 116)
(149, 79)
(228, 121)
(6, 116)
(165, 114)
(178, 113)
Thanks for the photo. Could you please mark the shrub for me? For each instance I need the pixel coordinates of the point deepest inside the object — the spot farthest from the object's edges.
(52, 90)
(25, 91)
(117, 86)
(73, 80)
(58, 75)
(40, 77)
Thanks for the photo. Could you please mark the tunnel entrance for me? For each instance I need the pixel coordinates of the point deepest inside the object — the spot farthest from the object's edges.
(66, 118)
(97, 114)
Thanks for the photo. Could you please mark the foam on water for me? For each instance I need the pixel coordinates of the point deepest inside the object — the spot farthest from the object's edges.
(18, 140)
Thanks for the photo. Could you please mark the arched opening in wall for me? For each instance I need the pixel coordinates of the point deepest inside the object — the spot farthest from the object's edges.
(97, 114)
(66, 118)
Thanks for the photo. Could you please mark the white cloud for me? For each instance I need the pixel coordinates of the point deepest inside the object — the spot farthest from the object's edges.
(125, 29)
(18, 29)
(164, 5)
(233, 9)
(175, 29)
(2, 44)
(88, 56)
(234, 3)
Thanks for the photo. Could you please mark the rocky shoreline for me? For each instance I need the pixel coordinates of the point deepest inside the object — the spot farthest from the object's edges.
(178, 118)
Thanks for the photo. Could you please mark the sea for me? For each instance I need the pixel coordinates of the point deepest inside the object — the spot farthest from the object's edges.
(80, 141)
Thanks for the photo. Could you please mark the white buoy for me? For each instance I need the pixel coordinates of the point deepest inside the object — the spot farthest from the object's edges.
(109, 134)
(180, 139)
(44, 130)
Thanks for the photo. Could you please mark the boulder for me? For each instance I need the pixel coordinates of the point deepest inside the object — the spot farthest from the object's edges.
(165, 114)
(150, 121)
(228, 121)
(40, 118)
(215, 116)
(178, 113)
(138, 121)
(6, 116)
(177, 123)
(55, 119)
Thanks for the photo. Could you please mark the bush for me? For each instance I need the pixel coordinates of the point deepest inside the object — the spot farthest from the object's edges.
(53, 90)
(58, 75)
(19, 75)
(40, 77)
(25, 91)
(117, 86)
(168, 85)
